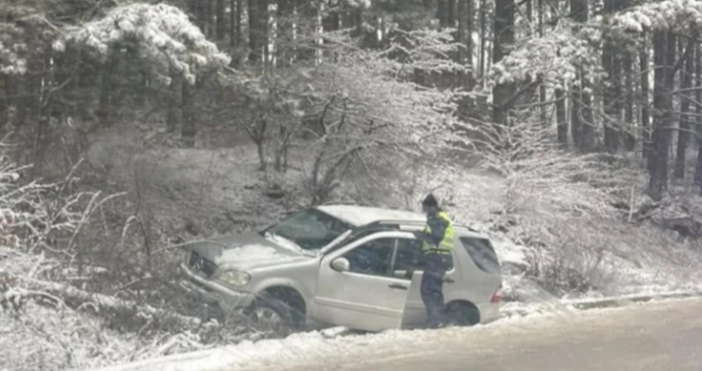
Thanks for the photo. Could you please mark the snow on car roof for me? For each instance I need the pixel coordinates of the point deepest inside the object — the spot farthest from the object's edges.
(361, 215)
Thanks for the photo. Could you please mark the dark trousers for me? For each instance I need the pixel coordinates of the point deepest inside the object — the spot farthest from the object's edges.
(435, 267)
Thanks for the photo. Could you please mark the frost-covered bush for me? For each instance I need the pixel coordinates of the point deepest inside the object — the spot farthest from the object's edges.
(568, 262)
(538, 173)
(45, 322)
(161, 35)
(372, 116)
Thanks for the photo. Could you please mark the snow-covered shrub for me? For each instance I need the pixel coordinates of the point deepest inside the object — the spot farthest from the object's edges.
(358, 113)
(371, 115)
(570, 262)
(538, 174)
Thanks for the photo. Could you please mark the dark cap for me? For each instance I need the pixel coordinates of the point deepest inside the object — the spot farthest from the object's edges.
(430, 201)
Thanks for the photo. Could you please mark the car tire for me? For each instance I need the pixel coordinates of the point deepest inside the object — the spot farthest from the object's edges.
(462, 314)
(270, 315)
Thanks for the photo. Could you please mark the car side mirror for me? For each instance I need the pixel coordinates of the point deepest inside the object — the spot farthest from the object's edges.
(341, 264)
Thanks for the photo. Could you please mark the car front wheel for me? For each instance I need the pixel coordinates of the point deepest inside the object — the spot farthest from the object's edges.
(270, 315)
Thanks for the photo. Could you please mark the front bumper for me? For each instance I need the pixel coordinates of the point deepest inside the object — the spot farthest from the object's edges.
(213, 292)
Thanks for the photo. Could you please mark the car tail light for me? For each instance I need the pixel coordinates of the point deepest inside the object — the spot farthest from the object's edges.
(497, 297)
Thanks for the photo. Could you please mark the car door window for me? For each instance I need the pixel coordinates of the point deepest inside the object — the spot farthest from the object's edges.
(408, 256)
(372, 258)
(482, 253)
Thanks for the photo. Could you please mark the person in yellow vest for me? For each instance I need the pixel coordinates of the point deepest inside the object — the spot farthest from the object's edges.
(437, 245)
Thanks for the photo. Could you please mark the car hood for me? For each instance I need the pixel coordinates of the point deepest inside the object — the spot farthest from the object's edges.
(249, 250)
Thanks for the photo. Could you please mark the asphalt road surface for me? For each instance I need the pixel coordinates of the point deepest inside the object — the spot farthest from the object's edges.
(661, 336)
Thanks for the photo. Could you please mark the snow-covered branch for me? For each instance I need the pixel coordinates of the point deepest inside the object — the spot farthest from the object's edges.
(672, 15)
(556, 58)
(162, 35)
(10, 62)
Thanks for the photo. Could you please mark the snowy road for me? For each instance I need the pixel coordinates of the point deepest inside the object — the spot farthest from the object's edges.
(657, 336)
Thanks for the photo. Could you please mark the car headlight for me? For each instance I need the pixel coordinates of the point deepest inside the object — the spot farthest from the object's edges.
(235, 278)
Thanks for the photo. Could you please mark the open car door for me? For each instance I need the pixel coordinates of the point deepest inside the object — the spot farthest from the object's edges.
(413, 314)
(356, 287)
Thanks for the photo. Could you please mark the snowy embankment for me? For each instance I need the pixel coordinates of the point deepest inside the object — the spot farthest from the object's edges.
(523, 296)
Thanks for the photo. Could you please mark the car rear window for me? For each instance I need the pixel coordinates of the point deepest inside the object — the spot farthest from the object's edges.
(482, 253)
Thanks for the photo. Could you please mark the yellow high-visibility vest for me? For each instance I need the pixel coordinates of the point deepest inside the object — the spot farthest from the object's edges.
(446, 244)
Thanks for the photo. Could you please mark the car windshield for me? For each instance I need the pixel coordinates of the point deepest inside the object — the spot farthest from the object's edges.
(309, 229)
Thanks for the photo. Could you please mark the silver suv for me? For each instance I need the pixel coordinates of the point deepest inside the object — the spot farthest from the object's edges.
(342, 265)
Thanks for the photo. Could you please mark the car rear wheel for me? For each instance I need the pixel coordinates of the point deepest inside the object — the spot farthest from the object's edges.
(462, 314)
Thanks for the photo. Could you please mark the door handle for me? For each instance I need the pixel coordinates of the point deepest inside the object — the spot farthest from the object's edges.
(397, 286)
(449, 280)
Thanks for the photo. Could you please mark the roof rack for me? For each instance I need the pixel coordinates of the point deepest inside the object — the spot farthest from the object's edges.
(398, 222)
(344, 203)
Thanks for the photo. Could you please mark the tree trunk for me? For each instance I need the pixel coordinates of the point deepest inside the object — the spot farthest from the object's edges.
(644, 100)
(483, 37)
(106, 90)
(628, 72)
(612, 91)
(255, 42)
(221, 25)
(174, 105)
(442, 12)
(461, 32)
(284, 38)
(686, 116)
(543, 114)
(582, 127)
(451, 13)
(188, 128)
(470, 47)
(233, 23)
(264, 30)
(503, 40)
(5, 100)
(330, 23)
(308, 22)
(44, 108)
(662, 110)
(239, 40)
(207, 18)
(561, 118)
(197, 8)
(698, 111)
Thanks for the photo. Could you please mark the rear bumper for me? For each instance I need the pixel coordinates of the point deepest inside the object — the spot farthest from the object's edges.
(489, 312)
(212, 292)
